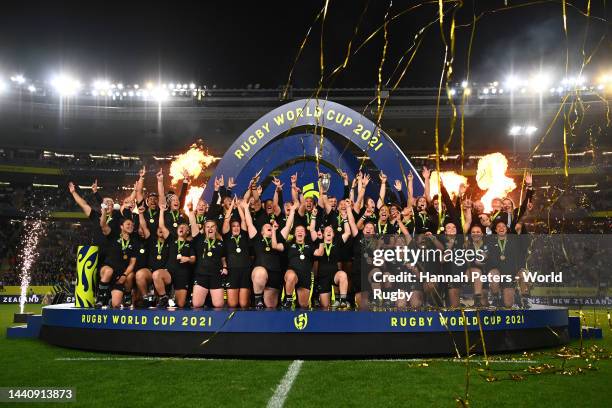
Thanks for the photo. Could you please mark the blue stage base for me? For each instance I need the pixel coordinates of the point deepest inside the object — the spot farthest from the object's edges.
(308, 334)
(30, 330)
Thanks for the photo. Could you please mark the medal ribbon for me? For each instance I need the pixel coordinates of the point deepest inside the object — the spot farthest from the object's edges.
(237, 240)
(160, 246)
(151, 215)
(124, 244)
(382, 230)
(266, 241)
(209, 244)
(180, 245)
(328, 248)
(502, 248)
(175, 215)
(199, 219)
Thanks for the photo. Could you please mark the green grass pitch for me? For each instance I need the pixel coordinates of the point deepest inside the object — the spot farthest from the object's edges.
(108, 380)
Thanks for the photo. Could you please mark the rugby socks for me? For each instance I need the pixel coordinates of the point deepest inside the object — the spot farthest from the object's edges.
(259, 303)
(288, 302)
(103, 289)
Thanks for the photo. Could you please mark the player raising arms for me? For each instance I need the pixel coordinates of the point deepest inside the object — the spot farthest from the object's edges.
(300, 256)
(237, 245)
(119, 263)
(157, 258)
(180, 259)
(268, 247)
(211, 263)
(329, 254)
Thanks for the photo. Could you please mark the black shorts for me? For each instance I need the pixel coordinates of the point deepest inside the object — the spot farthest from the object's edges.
(208, 280)
(240, 278)
(304, 279)
(181, 279)
(275, 280)
(118, 271)
(325, 277)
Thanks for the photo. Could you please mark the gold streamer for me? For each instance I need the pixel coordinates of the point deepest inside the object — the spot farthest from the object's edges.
(467, 358)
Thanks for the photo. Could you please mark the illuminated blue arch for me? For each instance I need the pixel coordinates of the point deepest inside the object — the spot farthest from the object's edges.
(268, 147)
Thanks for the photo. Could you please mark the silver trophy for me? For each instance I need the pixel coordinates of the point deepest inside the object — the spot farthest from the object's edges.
(325, 182)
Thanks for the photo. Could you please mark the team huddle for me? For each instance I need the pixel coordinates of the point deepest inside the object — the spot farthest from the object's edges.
(304, 251)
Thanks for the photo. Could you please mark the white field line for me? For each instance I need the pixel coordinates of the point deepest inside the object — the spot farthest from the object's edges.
(282, 389)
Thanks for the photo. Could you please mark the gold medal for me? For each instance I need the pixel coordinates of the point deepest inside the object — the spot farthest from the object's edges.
(267, 249)
(238, 250)
(124, 256)
(502, 257)
(158, 257)
(209, 253)
(142, 250)
(175, 225)
(302, 257)
(339, 229)
(152, 221)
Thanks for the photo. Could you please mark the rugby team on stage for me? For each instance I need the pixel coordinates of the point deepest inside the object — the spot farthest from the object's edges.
(301, 252)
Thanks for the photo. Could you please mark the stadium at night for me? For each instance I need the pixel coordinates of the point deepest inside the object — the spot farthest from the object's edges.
(411, 199)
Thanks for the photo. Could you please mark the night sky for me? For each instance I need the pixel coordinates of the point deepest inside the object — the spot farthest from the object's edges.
(235, 43)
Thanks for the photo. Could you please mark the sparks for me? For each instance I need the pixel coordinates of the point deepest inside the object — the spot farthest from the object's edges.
(33, 230)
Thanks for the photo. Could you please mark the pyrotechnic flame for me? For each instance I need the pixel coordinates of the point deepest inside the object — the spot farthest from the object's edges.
(491, 176)
(32, 232)
(193, 160)
(450, 179)
(193, 196)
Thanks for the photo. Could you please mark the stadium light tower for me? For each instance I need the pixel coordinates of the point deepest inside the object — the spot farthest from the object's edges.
(65, 85)
(530, 130)
(540, 81)
(18, 79)
(513, 82)
(515, 130)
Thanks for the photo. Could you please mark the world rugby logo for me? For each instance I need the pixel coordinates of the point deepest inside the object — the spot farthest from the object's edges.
(301, 321)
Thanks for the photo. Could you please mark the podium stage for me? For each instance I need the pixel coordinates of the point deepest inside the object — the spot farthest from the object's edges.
(301, 333)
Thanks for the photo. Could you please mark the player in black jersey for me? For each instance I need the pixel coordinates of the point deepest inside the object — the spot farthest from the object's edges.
(503, 259)
(181, 258)
(112, 217)
(477, 268)
(211, 263)
(268, 247)
(362, 240)
(172, 203)
(151, 213)
(237, 246)
(453, 243)
(156, 251)
(119, 263)
(200, 215)
(300, 254)
(329, 253)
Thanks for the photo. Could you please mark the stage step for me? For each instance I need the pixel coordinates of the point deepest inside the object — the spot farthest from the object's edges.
(587, 331)
(30, 330)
